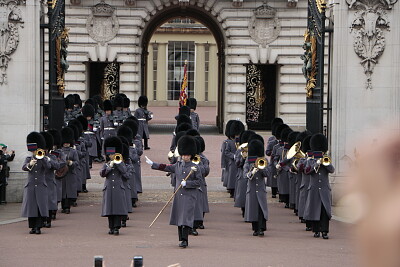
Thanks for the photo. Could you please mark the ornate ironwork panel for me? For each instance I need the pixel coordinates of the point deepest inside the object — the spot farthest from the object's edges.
(110, 86)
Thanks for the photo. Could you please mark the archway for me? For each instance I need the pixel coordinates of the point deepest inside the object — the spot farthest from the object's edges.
(202, 16)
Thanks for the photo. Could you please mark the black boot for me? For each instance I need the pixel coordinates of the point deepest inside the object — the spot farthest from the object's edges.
(183, 244)
(84, 190)
(325, 235)
(316, 235)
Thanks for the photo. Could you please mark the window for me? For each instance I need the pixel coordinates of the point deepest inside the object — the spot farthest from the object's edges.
(155, 54)
(207, 68)
(178, 52)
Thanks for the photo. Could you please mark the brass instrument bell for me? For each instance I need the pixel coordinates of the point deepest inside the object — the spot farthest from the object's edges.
(39, 153)
(117, 158)
(295, 152)
(326, 160)
(196, 159)
(261, 163)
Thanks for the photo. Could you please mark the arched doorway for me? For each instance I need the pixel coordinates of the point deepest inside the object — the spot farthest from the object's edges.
(202, 16)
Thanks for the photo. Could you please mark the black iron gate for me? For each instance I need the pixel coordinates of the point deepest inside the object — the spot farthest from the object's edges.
(313, 68)
(260, 95)
(58, 65)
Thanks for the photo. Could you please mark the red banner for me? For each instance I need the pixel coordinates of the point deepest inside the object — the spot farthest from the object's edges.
(184, 88)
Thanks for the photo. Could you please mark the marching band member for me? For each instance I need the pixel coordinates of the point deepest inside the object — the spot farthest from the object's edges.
(114, 204)
(272, 142)
(254, 170)
(192, 103)
(188, 178)
(224, 159)
(143, 115)
(283, 171)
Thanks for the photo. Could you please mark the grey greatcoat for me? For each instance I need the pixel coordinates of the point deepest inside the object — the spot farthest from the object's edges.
(241, 182)
(59, 180)
(305, 182)
(107, 128)
(137, 141)
(80, 170)
(195, 120)
(51, 181)
(272, 146)
(126, 182)
(203, 185)
(69, 182)
(319, 191)
(283, 174)
(182, 212)
(143, 116)
(231, 169)
(256, 194)
(90, 137)
(114, 198)
(35, 191)
(133, 180)
(223, 163)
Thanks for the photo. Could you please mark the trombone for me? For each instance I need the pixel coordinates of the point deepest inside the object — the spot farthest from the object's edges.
(39, 153)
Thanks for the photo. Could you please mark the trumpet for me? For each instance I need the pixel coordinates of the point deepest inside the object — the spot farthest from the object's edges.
(117, 159)
(326, 160)
(39, 153)
(261, 163)
(196, 159)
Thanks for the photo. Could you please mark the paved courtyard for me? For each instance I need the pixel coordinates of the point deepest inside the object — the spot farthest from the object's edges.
(76, 238)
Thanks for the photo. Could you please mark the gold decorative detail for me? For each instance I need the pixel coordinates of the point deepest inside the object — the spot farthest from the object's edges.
(53, 3)
(110, 85)
(321, 4)
(310, 62)
(61, 55)
(255, 94)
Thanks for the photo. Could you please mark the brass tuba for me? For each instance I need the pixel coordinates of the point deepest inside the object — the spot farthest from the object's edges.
(39, 153)
(261, 163)
(117, 158)
(296, 153)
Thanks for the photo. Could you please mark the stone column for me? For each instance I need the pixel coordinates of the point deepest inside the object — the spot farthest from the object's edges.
(20, 96)
(150, 76)
(162, 69)
(358, 112)
(199, 82)
(213, 74)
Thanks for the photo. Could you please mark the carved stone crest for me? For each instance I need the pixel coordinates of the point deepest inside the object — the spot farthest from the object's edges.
(10, 21)
(368, 26)
(264, 26)
(102, 24)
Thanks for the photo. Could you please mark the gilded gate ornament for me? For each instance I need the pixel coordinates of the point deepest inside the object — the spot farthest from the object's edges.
(368, 26)
(10, 21)
(255, 94)
(309, 58)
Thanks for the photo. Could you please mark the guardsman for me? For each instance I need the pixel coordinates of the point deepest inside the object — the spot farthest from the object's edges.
(143, 115)
(299, 173)
(224, 159)
(272, 141)
(236, 129)
(35, 201)
(192, 103)
(5, 157)
(318, 205)
(126, 179)
(292, 173)
(255, 171)
(126, 110)
(282, 168)
(114, 205)
(188, 178)
(90, 132)
(118, 112)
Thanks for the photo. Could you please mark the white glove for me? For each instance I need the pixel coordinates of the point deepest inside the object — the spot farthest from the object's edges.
(133, 145)
(194, 168)
(278, 166)
(48, 158)
(32, 162)
(254, 171)
(111, 164)
(319, 162)
(148, 161)
(70, 162)
(183, 183)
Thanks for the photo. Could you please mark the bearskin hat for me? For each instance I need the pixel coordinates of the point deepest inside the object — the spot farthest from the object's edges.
(133, 125)
(67, 136)
(126, 102)
(187, 145)
(98, 102)
(274, 127)
(77, 124)
(292, 138)
(245, 135)
(118, 101)
(256, 148)
(133, 118)
(88, 110)
(184, 110)
(126, 132)
(305, 145)
(114, 142)
(198, 145)
(77, 99)
(300, 137)
(75, 129)
(183, 118)
(56, 137)
(193, 132)
(318, 142)
(237, 128)
(107, 105)
(183, 127)
(143, 101)
(49, 140)
(202, 143)
(122, 94)
(276, 121)
(90, 101)
(279, 129)
(69, 102)
(84, 122)
(178, 136)
(256, 137)
(192, 103)
(228, 128)
(285, 134)
(36, 138)
(124, 140)
(125, 151)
